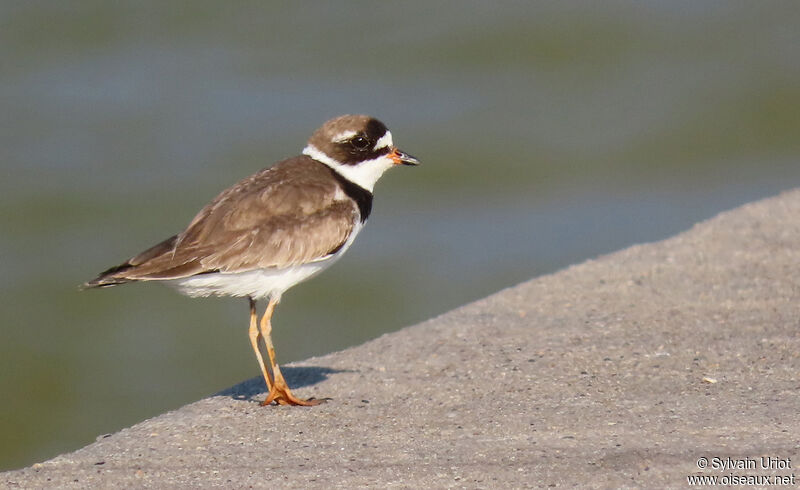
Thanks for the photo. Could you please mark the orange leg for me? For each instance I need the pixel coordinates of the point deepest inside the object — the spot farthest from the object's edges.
(255, 335)
(279, 392)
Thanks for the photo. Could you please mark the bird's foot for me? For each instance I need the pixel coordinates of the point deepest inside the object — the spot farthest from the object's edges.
(282, 395)
(287, 398)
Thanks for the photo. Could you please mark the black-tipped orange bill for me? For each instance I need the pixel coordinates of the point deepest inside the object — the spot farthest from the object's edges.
(402, 158)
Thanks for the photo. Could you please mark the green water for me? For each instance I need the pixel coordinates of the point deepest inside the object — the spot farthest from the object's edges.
(549, 133)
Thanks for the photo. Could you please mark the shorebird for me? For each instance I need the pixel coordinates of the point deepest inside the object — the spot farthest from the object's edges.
(274, 229)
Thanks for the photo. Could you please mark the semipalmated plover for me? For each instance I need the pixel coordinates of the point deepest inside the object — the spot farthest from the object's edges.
(275, 229)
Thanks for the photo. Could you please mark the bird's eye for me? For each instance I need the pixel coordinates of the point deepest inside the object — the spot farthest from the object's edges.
(359, 142)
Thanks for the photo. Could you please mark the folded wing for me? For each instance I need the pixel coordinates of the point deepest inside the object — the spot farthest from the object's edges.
(290, 214)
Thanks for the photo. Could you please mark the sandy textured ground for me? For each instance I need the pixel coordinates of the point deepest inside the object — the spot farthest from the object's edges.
(621, 371)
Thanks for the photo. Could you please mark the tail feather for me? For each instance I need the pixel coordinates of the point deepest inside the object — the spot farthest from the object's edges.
(117, 274)
(109, 277)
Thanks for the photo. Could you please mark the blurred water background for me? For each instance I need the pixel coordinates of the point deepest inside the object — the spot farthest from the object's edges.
(549, 133)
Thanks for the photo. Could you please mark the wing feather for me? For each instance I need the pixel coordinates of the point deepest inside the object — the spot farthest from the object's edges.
(290, 214)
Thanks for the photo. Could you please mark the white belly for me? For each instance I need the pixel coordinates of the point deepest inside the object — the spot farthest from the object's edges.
(256, 284)
(259, 283)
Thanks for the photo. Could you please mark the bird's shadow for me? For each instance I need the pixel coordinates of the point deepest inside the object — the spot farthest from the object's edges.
(296, 377)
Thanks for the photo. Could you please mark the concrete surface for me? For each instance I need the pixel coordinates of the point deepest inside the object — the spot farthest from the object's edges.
(621, 371)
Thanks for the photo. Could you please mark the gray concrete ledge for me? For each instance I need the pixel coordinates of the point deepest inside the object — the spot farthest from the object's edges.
(621, 371)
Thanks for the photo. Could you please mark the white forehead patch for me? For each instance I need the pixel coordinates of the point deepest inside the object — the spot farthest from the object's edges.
(344, 136)
(386, 140)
